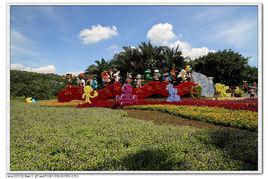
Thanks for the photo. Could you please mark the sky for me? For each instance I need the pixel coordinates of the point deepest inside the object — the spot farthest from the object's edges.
(67, 39)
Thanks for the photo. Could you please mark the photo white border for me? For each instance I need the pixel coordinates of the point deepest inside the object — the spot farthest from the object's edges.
(116, 3)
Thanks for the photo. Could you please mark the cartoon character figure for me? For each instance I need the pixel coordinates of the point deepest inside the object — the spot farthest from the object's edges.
(69, 80)
(138, 81)
(156, 75)
(126, 97)
(166, 76)
(86, 95)
(245, 86)
(148, 75)
(117, 77)
(173, 74)
(173, 96)
(29, 100)
(89, 80)
(185, 74)
(129, 78)
(94, 83)
(251, 91)
(81, 80)
(105, 78)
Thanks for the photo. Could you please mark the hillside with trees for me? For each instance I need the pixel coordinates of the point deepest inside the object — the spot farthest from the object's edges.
(36, 85)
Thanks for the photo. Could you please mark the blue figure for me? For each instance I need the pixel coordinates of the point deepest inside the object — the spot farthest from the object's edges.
(173, 96)
(167, 77)
(94, 83)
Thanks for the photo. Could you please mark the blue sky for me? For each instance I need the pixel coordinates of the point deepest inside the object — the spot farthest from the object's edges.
(65, 39)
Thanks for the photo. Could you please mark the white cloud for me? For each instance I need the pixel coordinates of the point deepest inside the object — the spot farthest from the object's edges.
(188, 51)
(161, 34)
(97, 33)
(44, 69)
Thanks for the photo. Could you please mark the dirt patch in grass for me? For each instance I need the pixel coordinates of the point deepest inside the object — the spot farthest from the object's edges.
(161, 118)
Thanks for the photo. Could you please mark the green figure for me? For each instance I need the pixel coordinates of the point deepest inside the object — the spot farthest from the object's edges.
(148, 75)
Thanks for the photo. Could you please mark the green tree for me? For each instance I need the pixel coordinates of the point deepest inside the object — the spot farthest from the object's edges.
(226, 66)
(98, 68)
(172, 56)
(146, 55)
(129, 60)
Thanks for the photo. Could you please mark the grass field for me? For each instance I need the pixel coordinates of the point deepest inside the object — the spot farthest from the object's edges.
(86, 139)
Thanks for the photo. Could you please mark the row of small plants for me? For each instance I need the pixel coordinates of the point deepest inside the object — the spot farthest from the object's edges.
(233, 118)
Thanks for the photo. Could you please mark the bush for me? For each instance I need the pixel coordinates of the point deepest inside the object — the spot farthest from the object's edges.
(30, 84)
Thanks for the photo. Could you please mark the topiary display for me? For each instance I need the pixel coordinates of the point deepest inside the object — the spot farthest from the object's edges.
(196, 90)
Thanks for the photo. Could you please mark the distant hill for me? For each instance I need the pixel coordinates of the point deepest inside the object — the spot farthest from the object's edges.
(36, 85)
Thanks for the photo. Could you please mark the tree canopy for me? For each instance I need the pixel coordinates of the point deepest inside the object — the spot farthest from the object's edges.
(227, 67)
(137, 60)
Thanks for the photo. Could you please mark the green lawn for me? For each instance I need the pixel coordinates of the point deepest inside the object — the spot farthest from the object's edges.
(66, 138)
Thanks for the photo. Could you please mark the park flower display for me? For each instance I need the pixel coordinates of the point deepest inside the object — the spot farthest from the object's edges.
(240, 119)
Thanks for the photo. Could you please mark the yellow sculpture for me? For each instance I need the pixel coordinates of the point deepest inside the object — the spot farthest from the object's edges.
(221, 90)
(86, 95)
(29, 100)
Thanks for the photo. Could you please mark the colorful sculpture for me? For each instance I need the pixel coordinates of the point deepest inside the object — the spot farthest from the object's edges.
(30, 100)
(156, 75)
(173, 94)
(166, 77)
(197, 89)
(138, 81)
(105, 78)
(81, 80)
(86, 95)
(70, 80)
(117, 77)
(148, 75)
(185, 74)
(126, 97)
(220, 90)
(129, 78)
(94, 83)
(173, 74)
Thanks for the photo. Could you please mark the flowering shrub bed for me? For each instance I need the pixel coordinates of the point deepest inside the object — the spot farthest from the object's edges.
(245, 104)
(226, 117)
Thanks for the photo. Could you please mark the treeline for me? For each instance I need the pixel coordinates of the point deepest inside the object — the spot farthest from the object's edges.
(138, 60)
(226, 66)
(39, 86)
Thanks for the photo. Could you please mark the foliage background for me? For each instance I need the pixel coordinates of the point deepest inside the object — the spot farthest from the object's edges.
(36, 85)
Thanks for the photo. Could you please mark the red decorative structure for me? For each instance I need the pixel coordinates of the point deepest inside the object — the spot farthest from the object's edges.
(111, 91)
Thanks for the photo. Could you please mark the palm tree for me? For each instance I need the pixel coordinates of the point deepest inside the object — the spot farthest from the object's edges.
(172, 56)
(128, 61)
(99, 67)
(151, 56)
